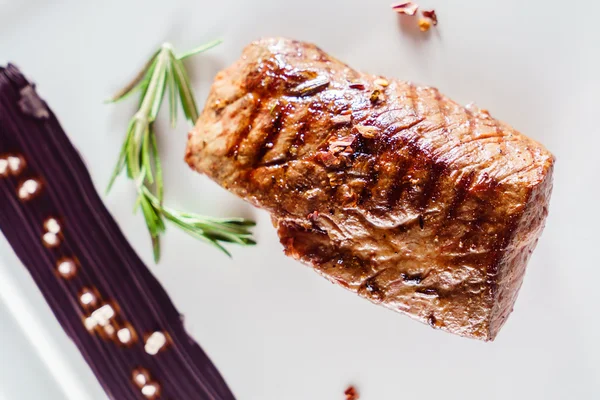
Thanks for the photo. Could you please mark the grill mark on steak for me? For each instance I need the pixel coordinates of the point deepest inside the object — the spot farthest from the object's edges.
(371, 181)
(406, 164)
(277, 162)
(384, 148)
(244, 131)
(298, 141)
(392, 141)
(461, 191)
(437, 170)
(397, 187)
(430, 189)
(272, 132)
(367, 147)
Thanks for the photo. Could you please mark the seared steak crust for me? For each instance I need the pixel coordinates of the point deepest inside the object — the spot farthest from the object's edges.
(389, 189)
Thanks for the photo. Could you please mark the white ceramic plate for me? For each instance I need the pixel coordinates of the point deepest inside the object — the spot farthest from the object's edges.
(274, 328)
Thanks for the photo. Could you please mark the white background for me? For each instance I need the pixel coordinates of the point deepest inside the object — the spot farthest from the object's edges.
(274, 328)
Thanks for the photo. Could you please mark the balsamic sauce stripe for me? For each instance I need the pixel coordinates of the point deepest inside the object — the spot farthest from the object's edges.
(158, 359)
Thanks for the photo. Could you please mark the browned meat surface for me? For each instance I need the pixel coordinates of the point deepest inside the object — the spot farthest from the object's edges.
(389, 189)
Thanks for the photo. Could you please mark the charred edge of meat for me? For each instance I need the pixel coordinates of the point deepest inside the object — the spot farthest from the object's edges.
(432, 320)
(429, 292)
(373, 290)
(412, 279)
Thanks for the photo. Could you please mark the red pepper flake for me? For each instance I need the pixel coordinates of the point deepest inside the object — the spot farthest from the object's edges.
(368, 132)
(424, 24)
(376, 96)
(326, 158)
(351, 393)
(343, 142)
(313, 216)
(357, 85)
(343, 119)
(431, 15)
(407, 8)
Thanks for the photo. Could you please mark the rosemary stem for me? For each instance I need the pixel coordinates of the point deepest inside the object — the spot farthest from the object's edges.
(165, 72)
(163, 58)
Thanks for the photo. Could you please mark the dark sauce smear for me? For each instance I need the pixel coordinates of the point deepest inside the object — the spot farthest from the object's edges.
(107, 301)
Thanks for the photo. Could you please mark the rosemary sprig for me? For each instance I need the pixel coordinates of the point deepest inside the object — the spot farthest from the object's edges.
(165, 72)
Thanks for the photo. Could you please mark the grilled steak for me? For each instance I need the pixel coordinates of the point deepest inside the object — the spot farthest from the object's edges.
(388, 189)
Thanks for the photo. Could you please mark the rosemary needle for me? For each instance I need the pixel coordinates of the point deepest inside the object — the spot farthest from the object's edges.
(164, 73)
